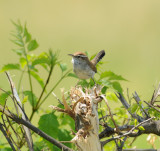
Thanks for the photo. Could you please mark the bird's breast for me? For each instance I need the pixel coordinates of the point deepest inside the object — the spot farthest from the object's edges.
(82, 69)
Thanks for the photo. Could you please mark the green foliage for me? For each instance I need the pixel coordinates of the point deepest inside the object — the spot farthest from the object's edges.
(32, 64)
(39, 145)
(6, 149)
(134, 107)
(108, 79)
(38, 78)
(50, 125)
(10, 67)
(141, 128)
(63, 66)
(111, 76)
(31, 97)
(32, 45)
(3, 97)
(58, 126)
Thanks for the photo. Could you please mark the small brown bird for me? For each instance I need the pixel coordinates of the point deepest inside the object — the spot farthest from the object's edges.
(83, 67)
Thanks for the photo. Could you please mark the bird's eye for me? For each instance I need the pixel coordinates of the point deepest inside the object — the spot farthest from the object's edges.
(78, 56)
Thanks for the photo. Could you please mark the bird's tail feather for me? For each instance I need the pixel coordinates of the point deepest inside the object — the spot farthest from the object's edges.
(98, 57)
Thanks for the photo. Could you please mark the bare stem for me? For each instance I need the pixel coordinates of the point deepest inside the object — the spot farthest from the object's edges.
(7, 138)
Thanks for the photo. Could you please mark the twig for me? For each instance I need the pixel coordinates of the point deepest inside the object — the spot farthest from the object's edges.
(11, 84)
(44, 88)
(136, 97)
(60, 102)
(130, 144)
(126, 105)
(18, 101)
(53, 88)
(156, 93)
(152, 106)
(110, 113)
(35, 129)
(127, 133)
(7, 138)
(17, 136)
(29, 75)
(20, 80)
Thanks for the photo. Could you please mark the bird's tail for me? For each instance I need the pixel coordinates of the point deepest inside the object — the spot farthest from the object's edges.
(98, 57)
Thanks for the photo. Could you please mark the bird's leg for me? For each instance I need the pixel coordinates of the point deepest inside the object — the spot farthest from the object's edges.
(94, 81)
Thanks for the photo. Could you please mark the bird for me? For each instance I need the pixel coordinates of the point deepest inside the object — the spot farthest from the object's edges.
(83, 67)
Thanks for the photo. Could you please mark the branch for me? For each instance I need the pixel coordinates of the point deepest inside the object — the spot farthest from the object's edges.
(24, 117)
(110, 131)
(126, 105)
(60, 102)
(156, 93)
(7, 138)
(40, 103)
(40, 97)
(33, 128)
(110, 113)
(127, 133)
(136, 97)
(152, 106)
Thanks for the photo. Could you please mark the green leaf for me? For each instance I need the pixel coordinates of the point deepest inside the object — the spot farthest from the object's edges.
(112, 76)
(64, 135)
(141, 128)
(37, 77)
(32, 45)
(6, 149)
(41, 59)
(66, 120)
(48, 123)
(104, 89)
(10, 67)
(18, 51)
(39, 145)
(3, 97)
(25, 99)
(134, 107)
(27, 35)
(18, 42)
(112, 97)
(135, 122)
(72, 75)
(30, 94)
(17, 37)
(23, 62)
(84, 83)
(53, 57)
(117, 86)
(105, 82)
(18, 26)
(63, 66)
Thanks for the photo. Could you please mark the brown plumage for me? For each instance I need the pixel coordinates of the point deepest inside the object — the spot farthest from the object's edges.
(83, 67)
(79, 53)
(98, 57)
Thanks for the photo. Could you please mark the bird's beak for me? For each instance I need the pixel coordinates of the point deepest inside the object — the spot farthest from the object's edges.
(71, 55)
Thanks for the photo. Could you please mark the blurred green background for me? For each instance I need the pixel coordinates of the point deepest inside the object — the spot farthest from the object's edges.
(129, 31)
